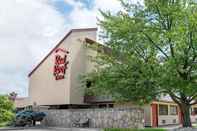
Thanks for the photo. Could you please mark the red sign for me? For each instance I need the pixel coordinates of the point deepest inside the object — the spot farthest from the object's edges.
(60, 63)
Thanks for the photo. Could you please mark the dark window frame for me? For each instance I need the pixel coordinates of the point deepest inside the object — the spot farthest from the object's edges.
(162, 109)
(173, 113)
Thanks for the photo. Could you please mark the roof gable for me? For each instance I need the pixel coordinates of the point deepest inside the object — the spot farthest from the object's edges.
(65, 37)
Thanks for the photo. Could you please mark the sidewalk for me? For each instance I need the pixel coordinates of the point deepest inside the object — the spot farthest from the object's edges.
(47, 129)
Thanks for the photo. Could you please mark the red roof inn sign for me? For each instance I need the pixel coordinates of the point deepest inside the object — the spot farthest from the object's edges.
(60, 63)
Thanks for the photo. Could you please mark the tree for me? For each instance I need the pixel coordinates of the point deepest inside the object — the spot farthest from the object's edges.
(12, 96)
(6, 109)
(153, 52)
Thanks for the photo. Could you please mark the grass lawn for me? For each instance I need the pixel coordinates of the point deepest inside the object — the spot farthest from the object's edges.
(194, 125)
(121, 129)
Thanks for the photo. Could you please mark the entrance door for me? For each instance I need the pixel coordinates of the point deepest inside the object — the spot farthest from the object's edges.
(154, 108)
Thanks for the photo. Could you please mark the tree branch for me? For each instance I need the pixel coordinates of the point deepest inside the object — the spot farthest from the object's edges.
(193, 97)
(193, 103)
(154, 44)
(175, 98)
(140, 55)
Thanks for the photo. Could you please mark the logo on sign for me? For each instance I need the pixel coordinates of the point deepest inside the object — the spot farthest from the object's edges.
(61, 63)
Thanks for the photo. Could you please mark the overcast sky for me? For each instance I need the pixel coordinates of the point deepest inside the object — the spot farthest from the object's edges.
(29, 29)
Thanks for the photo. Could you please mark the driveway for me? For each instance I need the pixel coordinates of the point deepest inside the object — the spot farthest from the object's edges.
(49, 129)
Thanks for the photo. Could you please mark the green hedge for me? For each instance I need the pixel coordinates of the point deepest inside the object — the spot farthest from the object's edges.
(125, 129)
(3, 124)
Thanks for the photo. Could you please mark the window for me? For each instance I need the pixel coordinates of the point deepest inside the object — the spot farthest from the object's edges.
(163, 109)
(102, 106)
(195, 110)
(173, 110)
(111, 105)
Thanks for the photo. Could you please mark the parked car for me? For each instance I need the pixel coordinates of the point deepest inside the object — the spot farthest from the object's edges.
(28, 118)
(38, 116)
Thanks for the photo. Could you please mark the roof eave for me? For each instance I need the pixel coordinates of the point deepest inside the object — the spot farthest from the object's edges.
(66, 36)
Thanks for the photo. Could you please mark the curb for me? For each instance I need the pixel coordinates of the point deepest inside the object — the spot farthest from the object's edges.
(50, 128)
(20, 128)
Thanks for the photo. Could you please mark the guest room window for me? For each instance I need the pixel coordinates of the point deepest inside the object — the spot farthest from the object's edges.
(195, 110)
(173, 110)
(163, 109)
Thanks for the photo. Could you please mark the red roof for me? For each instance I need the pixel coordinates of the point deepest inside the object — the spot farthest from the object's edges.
(66, 36)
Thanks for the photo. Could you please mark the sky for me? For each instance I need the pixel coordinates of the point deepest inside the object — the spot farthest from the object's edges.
(29, 29)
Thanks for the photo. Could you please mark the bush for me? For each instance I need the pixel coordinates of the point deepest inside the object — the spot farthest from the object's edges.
(6, 109)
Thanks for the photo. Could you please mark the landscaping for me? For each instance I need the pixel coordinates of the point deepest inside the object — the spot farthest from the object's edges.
(3, 124)
(6, 110)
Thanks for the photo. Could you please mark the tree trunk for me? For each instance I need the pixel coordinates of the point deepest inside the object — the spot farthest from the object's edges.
(185, 112)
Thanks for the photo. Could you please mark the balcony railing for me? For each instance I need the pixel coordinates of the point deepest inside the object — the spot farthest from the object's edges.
(94, 99)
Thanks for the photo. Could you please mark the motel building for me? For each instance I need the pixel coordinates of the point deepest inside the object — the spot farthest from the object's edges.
(54, 83)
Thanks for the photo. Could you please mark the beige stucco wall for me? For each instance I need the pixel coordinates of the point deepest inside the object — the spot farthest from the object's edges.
(21, 102)
(45, 90)
(193, 117)
(79, 65)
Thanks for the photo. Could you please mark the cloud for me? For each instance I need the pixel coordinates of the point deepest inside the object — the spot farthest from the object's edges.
(108, 5)
(28, 30)
(81, 16)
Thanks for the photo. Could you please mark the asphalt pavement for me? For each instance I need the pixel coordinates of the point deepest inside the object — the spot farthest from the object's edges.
(47, 129)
